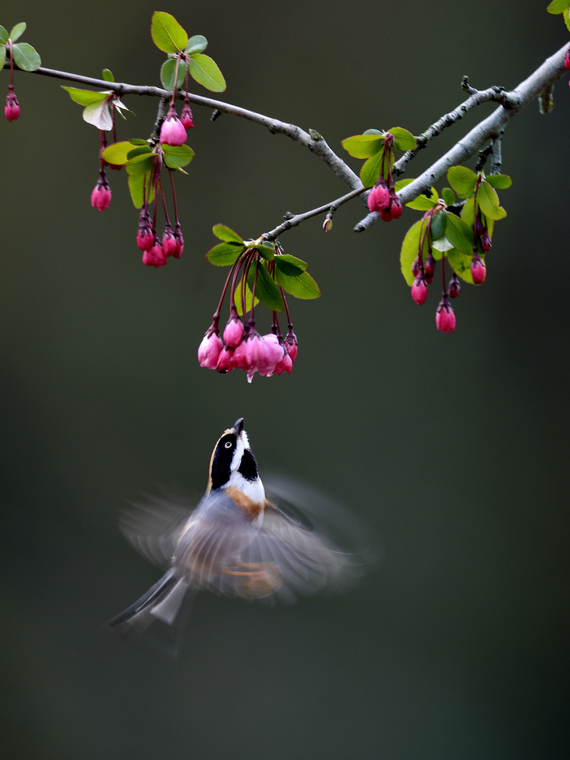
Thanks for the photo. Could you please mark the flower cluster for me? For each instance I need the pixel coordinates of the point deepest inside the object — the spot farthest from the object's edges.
(241, 346)
(382, 197)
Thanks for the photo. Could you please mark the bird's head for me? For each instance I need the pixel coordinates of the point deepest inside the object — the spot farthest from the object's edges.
(233, 465)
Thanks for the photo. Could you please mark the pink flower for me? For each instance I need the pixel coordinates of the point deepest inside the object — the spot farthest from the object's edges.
(224, 364)
(155, 256)
(210, 349)
(445, 316)
(101, 195)
(478, 269)
(567, 59)
(170, 244)
(12, 107)
(285, 365)
(145, 238)
(393, 210)
(252, 349)
(186, 117)
(233, 333)
(172, 131)
(269, 355)
(420, 290)
(485, 241)
(239, 360)
(379, 197)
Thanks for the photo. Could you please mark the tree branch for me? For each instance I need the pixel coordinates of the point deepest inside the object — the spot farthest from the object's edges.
(490, 128)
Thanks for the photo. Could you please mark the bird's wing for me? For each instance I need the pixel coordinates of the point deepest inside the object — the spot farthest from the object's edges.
(154, 528)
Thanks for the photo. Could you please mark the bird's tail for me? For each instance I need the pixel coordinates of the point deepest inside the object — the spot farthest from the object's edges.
(161, 604)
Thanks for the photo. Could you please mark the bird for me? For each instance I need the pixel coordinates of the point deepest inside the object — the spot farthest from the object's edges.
(237, 542)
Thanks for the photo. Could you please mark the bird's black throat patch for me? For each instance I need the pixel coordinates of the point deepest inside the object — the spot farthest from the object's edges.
(248, 465)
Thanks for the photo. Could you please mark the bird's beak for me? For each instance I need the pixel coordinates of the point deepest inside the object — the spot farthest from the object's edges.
(238, 427)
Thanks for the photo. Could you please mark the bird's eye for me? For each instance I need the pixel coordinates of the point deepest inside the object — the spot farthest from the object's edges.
(228, 444)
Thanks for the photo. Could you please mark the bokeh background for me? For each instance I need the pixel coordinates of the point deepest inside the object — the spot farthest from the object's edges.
(453, 449)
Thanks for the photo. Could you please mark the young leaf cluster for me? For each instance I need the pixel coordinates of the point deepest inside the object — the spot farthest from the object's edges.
(185, 55)
(370, 145)
(274, 272)
(143, 164)
(448, 228)
(25, 56)
(98, 105)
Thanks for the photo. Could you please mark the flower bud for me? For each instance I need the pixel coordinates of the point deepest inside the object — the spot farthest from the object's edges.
(445, 316)
(396, 207)
(419, 290)
(270, 354)
(485, 241)
(224, 364)
(186, 117)
(291, 344)
(170, 244)
(210, 349)
(416, 266)
(454, 286)
(252, 351)
(178, 235)
(172, 131)
(101, 195)
(429, 266)
(233, 333)
(239, 360)
(379, 197)
(327, 224)
(155, 256)
(12, 107)
(478, 269)
(285, 365)
(145, 236)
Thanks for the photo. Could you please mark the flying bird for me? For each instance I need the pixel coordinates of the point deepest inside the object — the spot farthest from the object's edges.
(239, 542)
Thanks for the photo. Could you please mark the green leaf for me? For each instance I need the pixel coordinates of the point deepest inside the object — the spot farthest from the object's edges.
(2, 56)
(448, 196)
(467, 216)
(137, 185)
(558, 6)
(16, 32)
(421, 202)
(108, 75)
(85, 97)
(4, 36)
(500, 181)
(404, 139)
(461, 264)
(290, 265)
(167, 34)
(206, 72)
(224, 254)
(168, 71)
(459, 234)
(248, 297)
(488, 201)
(118, 153)
(140, 164)
(566, 17)
(143, 150)
(225, 233)
(137, 141)
(438, 225)
(196, 44)
(302, 286)
(410, 248)
(176, 156)
(265, 251)
(363, 146)
(370, 172)
(462, 180)
(265, 288)
(26, 56)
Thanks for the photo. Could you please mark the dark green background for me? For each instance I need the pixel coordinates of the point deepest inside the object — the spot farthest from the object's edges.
(452, 448)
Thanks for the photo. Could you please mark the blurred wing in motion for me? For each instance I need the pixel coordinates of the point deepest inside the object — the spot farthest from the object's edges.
(153, 528)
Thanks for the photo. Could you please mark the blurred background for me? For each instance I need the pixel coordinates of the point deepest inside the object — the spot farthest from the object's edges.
(453, 449)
